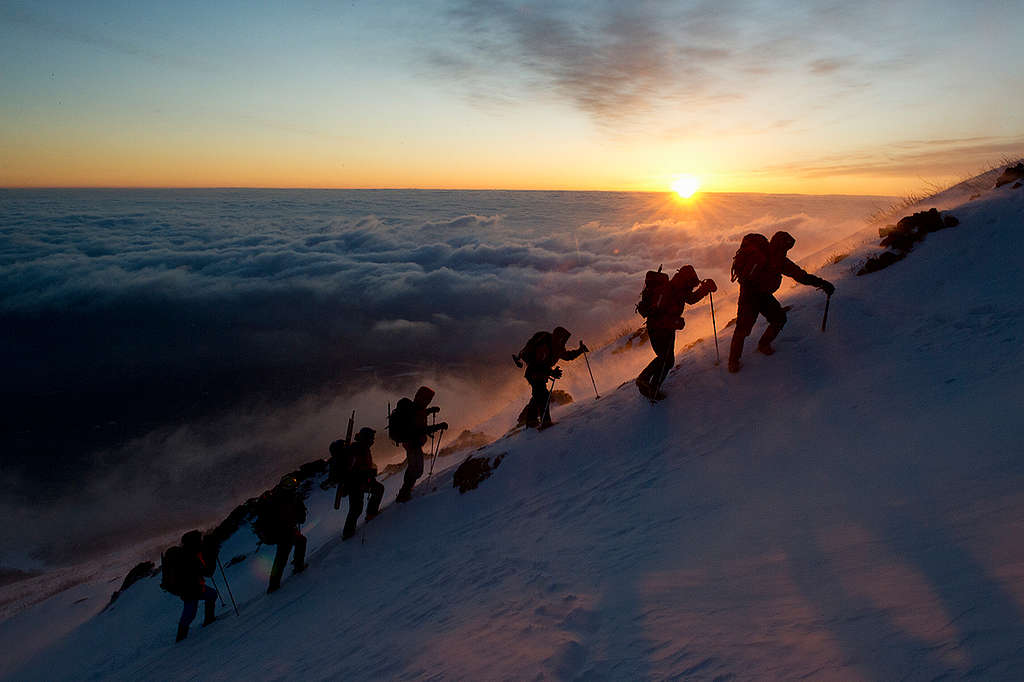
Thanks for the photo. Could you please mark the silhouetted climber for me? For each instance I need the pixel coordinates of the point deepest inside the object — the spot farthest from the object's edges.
(408, 427)
(184, 570)
(280, 513)
(541, 354)
(662, 303)
(362, 479)
(759, 266)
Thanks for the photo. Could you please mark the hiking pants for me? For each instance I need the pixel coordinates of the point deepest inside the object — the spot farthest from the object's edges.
(534, 412)
(413, 467)
(752, 304)
(663, 343)
(355, 505)
(284, 547)
(191, 607)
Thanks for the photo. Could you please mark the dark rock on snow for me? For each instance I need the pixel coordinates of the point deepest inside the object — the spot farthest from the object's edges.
(145, 569)
(902, 236)
(901, 241)
(880, 262)
(1011, 174)
(473, 471)
(560, 397)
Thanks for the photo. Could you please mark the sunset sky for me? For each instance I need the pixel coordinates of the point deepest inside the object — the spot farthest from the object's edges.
(843, 97)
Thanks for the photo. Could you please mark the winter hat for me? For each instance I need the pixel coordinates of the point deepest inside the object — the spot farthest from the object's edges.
(423, 396)
(561, 334)
(782, 242)
(365, 434)
(685, 278)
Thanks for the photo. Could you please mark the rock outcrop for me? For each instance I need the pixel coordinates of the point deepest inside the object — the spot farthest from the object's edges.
(900, 238)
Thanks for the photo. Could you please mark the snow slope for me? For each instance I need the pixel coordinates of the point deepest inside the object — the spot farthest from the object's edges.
(849, 508)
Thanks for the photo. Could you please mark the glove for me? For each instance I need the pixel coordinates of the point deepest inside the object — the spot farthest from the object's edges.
(443, 426)
(583, 347)
(556, 373)
(827, 287)
(433, 410)
(710, 286)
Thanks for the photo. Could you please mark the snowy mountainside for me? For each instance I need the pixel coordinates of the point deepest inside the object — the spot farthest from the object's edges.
(849, 508)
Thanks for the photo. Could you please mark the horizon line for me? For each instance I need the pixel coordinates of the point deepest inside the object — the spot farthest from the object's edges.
(413, 189)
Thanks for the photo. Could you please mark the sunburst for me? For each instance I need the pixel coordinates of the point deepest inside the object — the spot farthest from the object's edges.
(686, 186)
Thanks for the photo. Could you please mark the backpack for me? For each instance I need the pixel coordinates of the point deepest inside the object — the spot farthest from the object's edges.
(402, 422)
(750, 257)
(172, 570)
(656, 288)
(537, 349)
(341, 462)
(265, 523)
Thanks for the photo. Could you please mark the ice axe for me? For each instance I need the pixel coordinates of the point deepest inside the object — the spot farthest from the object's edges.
(547, 404)
(225, 577)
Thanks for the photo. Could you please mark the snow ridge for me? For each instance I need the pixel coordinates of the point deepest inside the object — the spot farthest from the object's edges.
(847, 508)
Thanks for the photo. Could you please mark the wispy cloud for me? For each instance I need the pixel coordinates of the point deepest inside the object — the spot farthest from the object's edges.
(614, 63)
(922, 158)
(618, 62)
(824, 67)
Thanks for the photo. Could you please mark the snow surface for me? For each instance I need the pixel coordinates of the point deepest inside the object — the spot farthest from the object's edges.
(849, 508)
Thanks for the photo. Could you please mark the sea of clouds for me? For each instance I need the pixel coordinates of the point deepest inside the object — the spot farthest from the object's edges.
(167, 353)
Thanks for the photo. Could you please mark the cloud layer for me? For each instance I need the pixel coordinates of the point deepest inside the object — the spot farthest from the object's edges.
(195, 342)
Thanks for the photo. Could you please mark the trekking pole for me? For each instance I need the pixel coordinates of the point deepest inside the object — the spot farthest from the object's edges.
(591, 376)
(433, 422)
(434, 458)
(227, 585)
(824, 320)
(547, 404)
(217, 587)
(433, 452)
(714, 326)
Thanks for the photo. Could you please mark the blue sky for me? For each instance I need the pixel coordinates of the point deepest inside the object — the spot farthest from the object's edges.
(773, 96)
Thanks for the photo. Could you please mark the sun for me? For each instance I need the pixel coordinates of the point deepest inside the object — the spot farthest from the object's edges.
(686, 185)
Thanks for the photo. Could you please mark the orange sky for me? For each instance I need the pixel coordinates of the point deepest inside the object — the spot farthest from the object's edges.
(760, 98)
